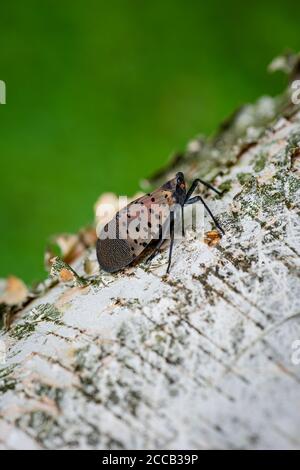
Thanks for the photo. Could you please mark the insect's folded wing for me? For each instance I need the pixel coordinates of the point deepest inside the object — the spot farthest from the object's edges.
(127, 235)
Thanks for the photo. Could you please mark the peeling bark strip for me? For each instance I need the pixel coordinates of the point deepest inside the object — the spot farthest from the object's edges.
(202, 358)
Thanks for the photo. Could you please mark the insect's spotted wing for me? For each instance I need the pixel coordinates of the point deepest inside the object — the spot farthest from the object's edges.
(127, 235)
(145, 219)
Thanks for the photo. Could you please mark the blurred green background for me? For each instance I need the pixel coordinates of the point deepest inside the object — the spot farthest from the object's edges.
(99, 94)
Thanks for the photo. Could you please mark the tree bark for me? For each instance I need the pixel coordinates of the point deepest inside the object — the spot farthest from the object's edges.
(205, 357)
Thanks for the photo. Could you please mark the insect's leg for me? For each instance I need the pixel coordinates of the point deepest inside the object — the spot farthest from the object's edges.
(195, 199)
(171, 240)
(156, 250)
(182, 220)
(195, 184)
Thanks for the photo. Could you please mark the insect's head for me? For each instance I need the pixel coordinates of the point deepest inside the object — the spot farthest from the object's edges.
(180, 191)
(180, 178)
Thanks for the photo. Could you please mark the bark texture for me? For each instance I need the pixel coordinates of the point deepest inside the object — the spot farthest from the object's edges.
(201, 358)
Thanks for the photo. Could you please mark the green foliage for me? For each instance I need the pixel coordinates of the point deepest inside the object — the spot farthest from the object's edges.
(99, 94)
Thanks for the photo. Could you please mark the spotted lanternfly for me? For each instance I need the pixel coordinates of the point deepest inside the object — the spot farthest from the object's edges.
(146, 223)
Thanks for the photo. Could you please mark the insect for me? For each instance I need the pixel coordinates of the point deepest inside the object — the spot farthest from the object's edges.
(146, 223)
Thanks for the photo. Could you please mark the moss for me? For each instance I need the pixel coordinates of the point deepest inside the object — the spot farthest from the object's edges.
(293, 185)
(292, 148)
(260, 162)
(270, 196)
(244, 177)
(225, 186)
(281, 189)
(293, 142)
(43, 312)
